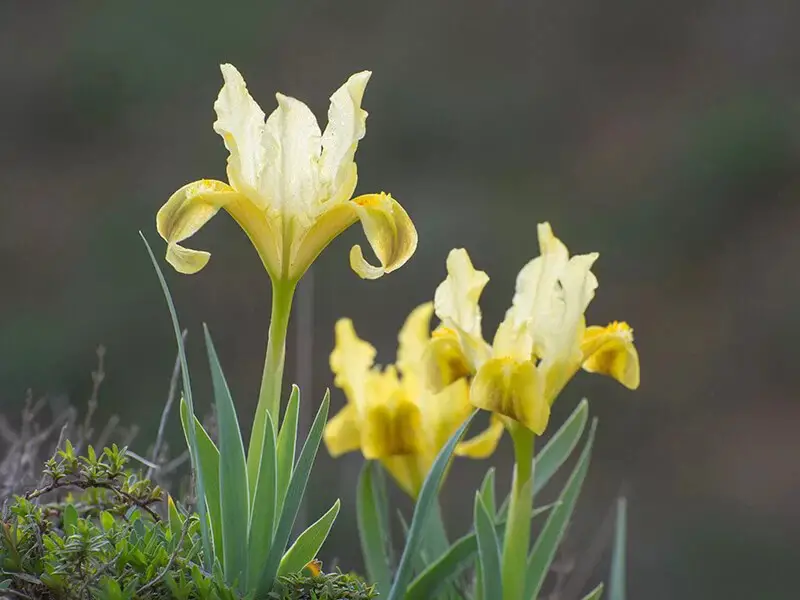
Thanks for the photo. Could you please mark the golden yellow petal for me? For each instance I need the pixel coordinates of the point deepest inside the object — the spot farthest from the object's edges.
(193, 205)
(413, 340)
(390, 232)
(328, 225)
(444, 360)
(513, 389)
(342, 433)
(392, 426)
(443, 413)
(186, 211)
(351, 361)
(610, 351)
(263, 228)
(408, 471)
(485, 443)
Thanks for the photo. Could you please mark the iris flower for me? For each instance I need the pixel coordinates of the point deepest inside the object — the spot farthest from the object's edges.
(540, 345)
(390, 414)
(289, 187)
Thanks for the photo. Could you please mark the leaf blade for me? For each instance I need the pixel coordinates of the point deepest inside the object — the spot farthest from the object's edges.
(286, 445)
(616, 584)
(427, 584)
(595, 594)
(234, 495)
(263, 509)
(371, 529)
(308, 543)
(488, 551)
(294, 496)
(208, 550)
(208, 461)
(553, 531)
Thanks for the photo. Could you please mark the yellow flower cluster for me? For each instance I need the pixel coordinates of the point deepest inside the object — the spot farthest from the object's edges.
(403, 415)
(390, 414)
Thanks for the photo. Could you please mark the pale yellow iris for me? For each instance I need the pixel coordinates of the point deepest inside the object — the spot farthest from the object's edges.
(289, 186)
(540, 345)
(390, 414)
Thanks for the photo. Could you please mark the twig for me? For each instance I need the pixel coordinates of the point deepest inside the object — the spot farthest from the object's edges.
(168, 566)
(17, 593)
(106, 485)
(162, 426)
(139, 458)
(174, 463)
(129, 434)
(98, 375)
(110, 425)
(61, 436)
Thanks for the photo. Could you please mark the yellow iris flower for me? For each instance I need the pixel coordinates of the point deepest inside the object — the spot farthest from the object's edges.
(540, 345)
(289, 187)
(390, 414)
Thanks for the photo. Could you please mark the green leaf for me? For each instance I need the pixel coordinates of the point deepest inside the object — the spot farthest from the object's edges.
(175, 518)
(371, 529)
(550, 537)
(488, 551)
(425, 504)
(205, 532)
(107, 520)
(595, 594)
(487, 491)
(557, 450)
(294, 497)
(435, 541)
(308, 543)
(262, 523)
(209, 465)
(70, 519)
(287, 441)
(451, 563)
(234, 496)
(382, 498)
(488, 498)
(616, 585)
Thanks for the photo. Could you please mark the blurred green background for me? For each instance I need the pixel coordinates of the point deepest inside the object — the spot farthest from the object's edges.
(666, 136)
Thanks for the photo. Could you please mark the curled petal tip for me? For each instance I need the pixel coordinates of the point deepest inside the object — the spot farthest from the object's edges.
(361, 267)
(185, 260)
(390, 232)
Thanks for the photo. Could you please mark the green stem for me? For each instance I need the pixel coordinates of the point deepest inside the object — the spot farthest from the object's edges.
(269, 398)
(518, 526)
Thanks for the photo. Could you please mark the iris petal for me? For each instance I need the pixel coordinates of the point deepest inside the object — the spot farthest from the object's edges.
(186, 211)
(513, 389)
(485, 443)
(389, 231)
(610, 351)
(342, 433)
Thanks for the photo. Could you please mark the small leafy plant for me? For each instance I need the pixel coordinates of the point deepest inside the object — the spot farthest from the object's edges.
(105, 539)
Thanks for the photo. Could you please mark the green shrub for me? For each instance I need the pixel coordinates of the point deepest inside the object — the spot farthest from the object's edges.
(327, 586)
(109, 541)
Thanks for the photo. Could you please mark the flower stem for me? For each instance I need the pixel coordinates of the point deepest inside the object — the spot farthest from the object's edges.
(269, 398)
(518, 526)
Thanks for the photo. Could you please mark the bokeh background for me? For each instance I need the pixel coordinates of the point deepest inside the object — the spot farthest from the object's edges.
(666, 136)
